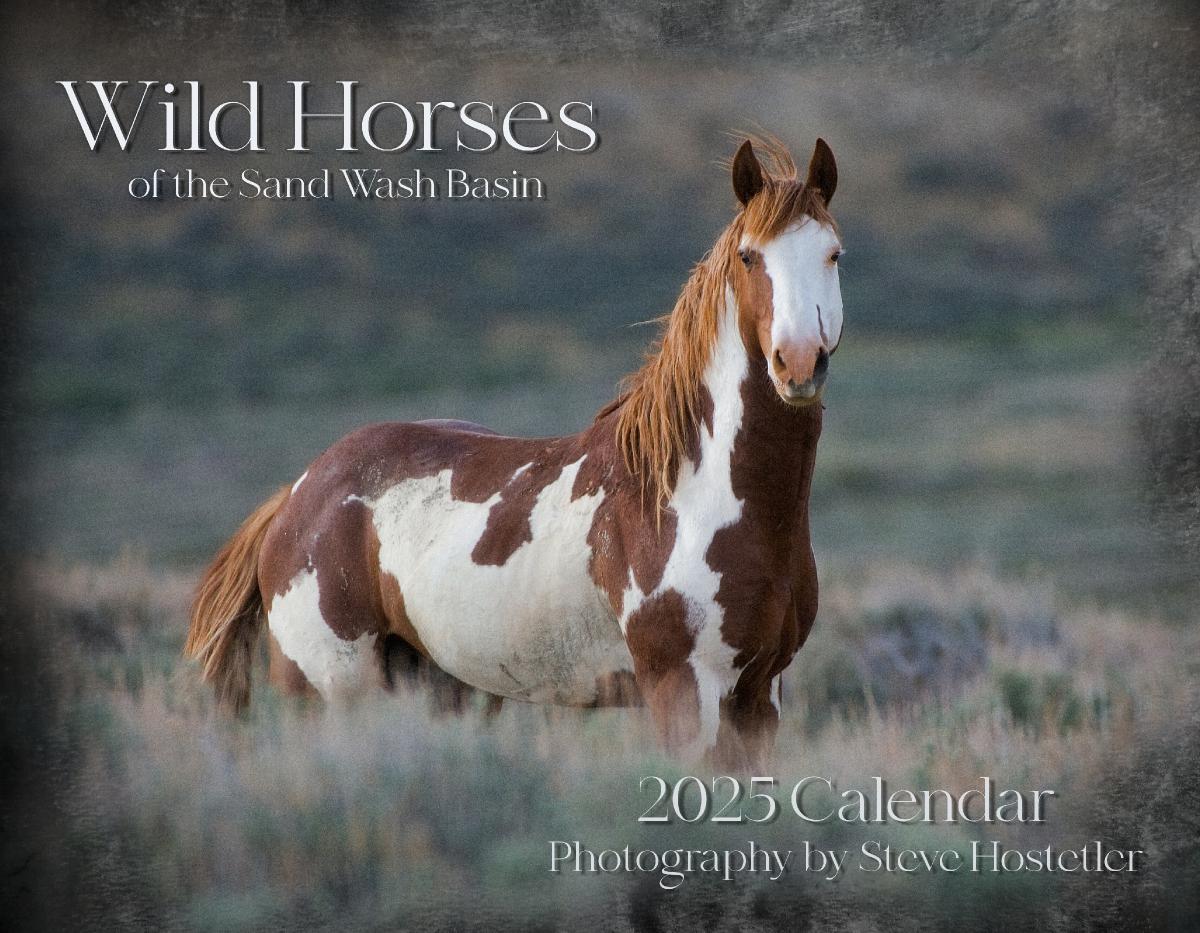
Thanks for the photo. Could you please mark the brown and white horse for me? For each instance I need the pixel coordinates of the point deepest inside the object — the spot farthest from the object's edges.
(661, 555)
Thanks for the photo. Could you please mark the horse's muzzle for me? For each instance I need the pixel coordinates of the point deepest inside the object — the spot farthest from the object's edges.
(809, 390)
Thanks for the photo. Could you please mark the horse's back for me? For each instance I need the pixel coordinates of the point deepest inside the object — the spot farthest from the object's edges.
(454, 424)
(327, 519)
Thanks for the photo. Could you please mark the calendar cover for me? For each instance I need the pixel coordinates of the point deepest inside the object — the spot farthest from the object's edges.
(638, 466)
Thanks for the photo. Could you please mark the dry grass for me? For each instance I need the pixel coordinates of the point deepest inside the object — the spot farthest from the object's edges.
(387, 814)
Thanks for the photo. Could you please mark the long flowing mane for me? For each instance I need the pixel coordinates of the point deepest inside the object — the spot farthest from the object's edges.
(659, 408)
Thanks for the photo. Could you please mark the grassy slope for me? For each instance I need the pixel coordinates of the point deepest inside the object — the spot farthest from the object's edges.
(935, 451)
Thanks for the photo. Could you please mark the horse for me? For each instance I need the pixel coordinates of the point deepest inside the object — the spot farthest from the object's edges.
(660, 557)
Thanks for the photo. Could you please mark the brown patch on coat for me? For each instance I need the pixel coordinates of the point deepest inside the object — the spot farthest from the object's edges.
(658, 633)
(347, 554)
(627, 543)
(508, 525)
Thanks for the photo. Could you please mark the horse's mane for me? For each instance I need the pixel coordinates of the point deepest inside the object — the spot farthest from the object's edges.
(659, 407)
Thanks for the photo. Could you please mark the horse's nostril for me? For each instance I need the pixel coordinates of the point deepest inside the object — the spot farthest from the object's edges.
(822, 363)
(778, 363)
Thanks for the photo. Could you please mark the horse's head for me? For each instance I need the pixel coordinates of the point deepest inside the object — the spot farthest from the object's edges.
(783, 268)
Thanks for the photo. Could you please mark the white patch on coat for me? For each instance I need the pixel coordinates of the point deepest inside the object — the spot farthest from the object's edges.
(296, 485)
(704, 503)
(537, 628)
(803, 279)
(334, 666)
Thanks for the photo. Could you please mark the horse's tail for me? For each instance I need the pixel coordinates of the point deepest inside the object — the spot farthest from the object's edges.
(227, 613)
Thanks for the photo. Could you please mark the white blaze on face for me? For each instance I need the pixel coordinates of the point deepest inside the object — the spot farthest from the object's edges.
(803, 280)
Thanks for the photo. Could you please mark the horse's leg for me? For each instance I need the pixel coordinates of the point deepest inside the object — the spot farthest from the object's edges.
(673, 695)
(693, 720)
(449, 694)
(402, 663)
(749, 722)
(750, 714)
(682, 691)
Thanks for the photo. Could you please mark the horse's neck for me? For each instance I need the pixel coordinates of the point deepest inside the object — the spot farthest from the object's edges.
(750, 453)
(766, 449)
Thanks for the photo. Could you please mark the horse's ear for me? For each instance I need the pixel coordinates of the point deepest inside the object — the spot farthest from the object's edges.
(822, 171)
(747, 173)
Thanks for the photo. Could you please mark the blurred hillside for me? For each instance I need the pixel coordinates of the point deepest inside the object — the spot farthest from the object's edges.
(181, 359)
(966, 209)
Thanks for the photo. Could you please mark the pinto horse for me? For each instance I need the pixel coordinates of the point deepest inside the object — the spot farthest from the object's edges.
(660, 556)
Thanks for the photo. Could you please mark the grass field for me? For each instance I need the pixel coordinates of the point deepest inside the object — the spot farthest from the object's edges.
(385, 815)
(992, 603)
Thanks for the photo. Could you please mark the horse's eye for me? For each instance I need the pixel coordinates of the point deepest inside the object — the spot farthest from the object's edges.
(836, 256)
(747, 257)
